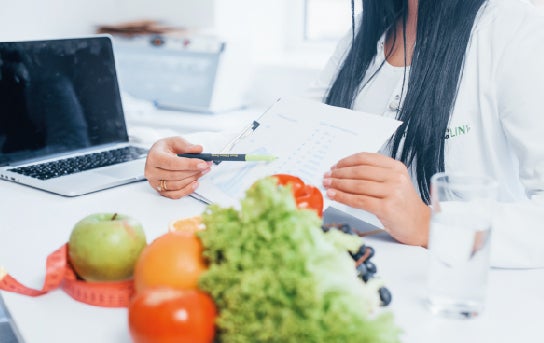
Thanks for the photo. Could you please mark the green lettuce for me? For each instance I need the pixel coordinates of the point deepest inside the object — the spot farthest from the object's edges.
(276, 277)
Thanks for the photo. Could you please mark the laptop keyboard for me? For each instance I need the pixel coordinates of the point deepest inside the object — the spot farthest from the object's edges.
(50, 170)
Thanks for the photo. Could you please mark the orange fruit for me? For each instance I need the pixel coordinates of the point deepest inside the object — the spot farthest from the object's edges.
(189, 225)
(172, 260)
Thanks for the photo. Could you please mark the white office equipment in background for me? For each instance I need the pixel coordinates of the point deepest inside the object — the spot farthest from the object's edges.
(200, 74)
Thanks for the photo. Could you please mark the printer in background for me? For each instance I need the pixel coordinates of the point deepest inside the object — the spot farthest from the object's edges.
(187, 72)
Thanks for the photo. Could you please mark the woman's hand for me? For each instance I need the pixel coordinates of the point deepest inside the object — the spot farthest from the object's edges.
(173, 176)
(382, 186)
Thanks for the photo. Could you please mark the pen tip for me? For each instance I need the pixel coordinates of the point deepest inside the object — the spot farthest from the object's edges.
(259, 157)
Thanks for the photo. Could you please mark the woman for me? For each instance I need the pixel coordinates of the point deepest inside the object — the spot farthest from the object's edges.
(466, 79)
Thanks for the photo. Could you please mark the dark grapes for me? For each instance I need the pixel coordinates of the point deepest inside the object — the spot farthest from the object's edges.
(360, 253)
(364, 267)
(385, 296)
(371, 267)
(361, 270)
(370, 252)
(345, 228)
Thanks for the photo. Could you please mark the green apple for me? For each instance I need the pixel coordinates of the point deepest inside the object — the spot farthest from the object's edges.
(105, 246)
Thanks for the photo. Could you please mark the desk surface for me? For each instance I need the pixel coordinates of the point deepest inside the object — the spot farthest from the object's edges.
(34, 223)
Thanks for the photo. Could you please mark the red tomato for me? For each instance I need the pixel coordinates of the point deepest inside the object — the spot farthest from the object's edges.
(297, 185)
(171, 316)
(306, 196)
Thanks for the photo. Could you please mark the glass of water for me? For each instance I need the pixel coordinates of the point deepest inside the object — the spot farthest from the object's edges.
(459, 243)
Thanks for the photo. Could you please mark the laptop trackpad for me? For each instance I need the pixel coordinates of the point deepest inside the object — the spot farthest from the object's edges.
(131, 170)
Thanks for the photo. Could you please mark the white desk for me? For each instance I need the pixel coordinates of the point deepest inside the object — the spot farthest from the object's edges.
(34, 223)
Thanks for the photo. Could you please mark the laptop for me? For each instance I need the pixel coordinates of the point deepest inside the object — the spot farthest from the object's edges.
(62, 126)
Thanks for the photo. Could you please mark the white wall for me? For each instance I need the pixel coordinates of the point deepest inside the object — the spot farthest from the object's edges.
(32, 19)
(257, 23)
(268, 29)
(263, 28)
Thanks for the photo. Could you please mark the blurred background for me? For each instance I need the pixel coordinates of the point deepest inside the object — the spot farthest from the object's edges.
(274, 48)
(279, 45)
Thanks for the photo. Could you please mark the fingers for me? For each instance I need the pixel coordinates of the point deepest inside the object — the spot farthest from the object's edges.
(172, 162)
(175, 184)
(176, 189)
(378, 183)
(179, 188)
(361, 187)
(161, 174)
(154, 174)
(179, 145)
(365, 202)
(170, 175)
(365, 167)
(382, 186)
(163, 155)
(363, 180)
(370, 173)
(369, 159)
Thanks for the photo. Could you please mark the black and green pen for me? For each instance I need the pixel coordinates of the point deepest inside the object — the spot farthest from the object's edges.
(231, 157)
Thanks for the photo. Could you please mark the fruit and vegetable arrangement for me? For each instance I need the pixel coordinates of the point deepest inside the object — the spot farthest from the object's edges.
(275, 276)
(266, 272)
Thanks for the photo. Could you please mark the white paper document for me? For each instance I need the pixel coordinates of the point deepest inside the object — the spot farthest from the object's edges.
(307, 137)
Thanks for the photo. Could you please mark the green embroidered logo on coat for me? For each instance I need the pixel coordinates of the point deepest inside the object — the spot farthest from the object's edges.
(457, 131)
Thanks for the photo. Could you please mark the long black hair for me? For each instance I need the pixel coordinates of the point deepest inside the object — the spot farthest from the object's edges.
(443, 31)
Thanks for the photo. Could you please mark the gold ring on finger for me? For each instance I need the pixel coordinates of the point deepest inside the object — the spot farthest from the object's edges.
(163, 185)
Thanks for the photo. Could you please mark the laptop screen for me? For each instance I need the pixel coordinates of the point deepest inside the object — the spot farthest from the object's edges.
(58, 96)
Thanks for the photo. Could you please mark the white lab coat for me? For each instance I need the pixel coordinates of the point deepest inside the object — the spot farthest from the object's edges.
(497, 125)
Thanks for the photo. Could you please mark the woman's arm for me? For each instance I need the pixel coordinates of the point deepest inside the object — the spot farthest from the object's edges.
(518, 230)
